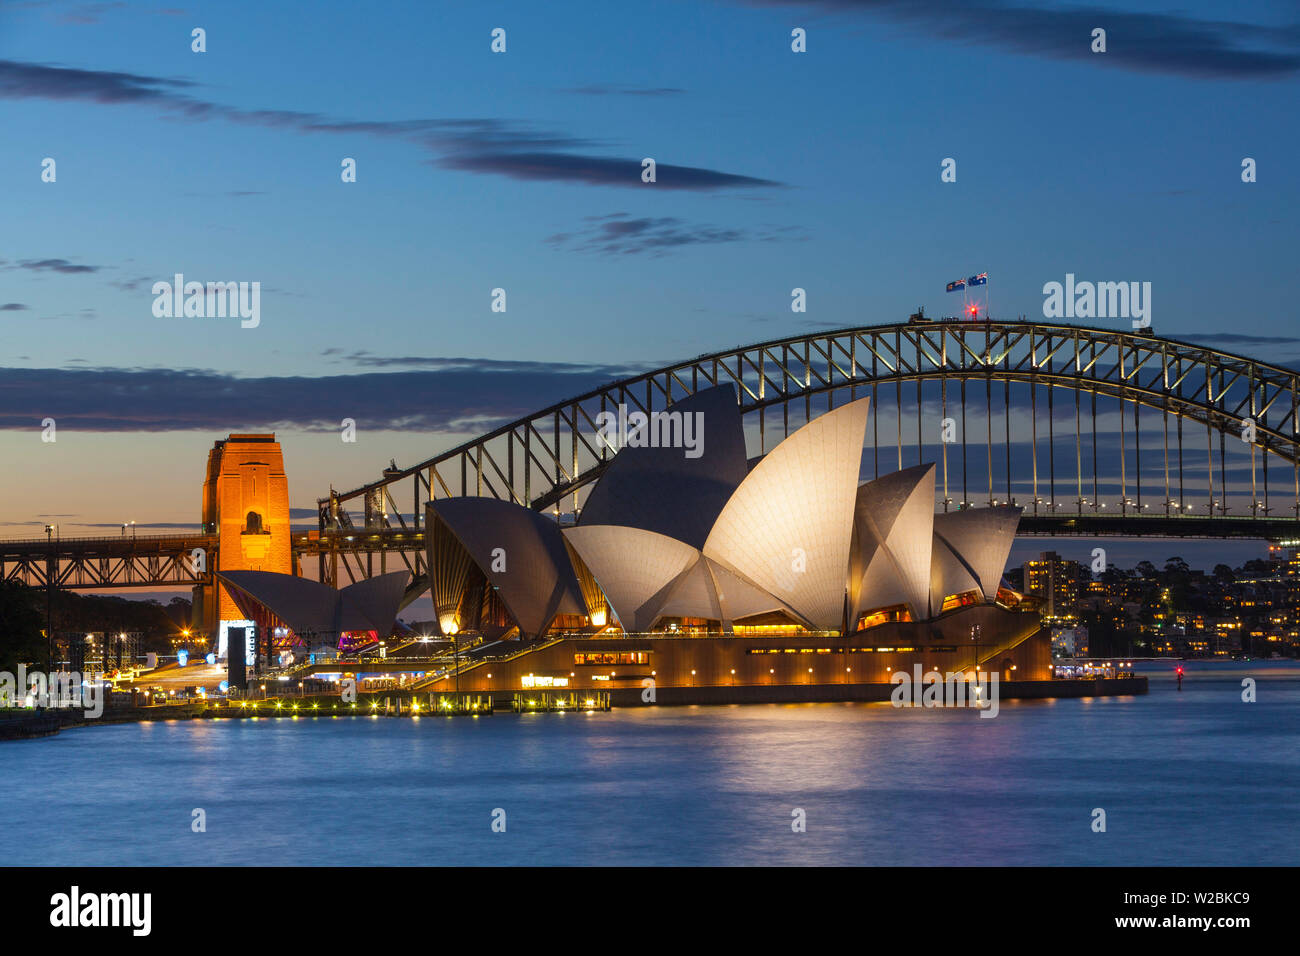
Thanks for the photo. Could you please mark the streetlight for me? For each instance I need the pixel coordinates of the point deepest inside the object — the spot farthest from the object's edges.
(50, 573)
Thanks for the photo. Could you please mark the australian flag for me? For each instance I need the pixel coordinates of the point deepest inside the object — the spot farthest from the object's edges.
(954, 286)
(981, 279)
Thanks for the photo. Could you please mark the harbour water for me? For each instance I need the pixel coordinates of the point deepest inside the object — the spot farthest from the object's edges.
(1190, 777)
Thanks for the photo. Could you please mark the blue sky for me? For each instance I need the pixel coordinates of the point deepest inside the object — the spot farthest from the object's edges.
(521, 171)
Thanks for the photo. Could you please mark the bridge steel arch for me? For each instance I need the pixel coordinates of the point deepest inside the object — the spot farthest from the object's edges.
(552, 455)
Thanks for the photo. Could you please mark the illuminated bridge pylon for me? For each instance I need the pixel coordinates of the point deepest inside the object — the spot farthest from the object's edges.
(1091, 431)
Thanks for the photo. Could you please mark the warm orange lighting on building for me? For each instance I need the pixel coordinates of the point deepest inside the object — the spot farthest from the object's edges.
(768, 630)
(246, 503)
(884, 615)
(965, 599)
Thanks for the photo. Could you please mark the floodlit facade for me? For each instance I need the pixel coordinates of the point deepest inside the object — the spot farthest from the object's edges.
(245, 503)
(979, 541)
(651, 579)
(706, 545)
(495, 560)
(893, 521)
(789, 526)
(662, 489)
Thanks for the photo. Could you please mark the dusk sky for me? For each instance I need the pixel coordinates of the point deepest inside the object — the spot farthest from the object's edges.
(521, 170)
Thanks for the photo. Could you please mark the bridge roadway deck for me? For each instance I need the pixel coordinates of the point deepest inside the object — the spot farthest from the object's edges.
(1147, 525)
(165, 559)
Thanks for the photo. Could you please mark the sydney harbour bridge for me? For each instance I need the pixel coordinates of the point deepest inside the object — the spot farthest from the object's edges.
(1090, 431)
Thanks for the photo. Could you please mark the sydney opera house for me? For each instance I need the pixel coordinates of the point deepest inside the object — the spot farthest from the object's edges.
(709, 570)
(290, 611)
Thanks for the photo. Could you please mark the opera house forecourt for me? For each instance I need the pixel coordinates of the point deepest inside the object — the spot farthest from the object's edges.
(694, 574)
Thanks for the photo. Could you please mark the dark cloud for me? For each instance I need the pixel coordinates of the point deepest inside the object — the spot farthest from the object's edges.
(141, 526)
(476, 145)
(1240, 338)
(227, 194)
(431, 394)
(56, 265)
(595, 170)
(80, 314)
(365, 359)
(1169, 43)
(621, 233)
(89, 13)
(618, 89)
(31, 80)
(13, 307)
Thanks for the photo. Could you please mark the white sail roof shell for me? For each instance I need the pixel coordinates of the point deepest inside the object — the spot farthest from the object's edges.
(740, 598)
(647, 576)
(789, 526)
(708, 590)
(980, 539)
(634, 568)
(949, 574)
(894, 515)
(663, 489)
(521, 553)
(310, 607)
(693, 594)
